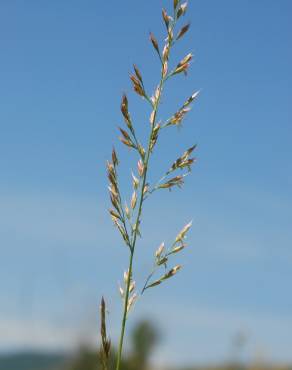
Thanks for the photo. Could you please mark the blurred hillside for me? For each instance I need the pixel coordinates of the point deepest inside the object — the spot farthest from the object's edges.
(88, 360)
(31, 361)
(144, 338)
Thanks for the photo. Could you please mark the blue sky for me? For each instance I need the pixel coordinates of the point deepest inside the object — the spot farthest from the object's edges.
(64, 65)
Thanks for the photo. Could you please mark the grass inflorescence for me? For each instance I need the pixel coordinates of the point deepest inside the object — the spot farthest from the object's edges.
(126, 216)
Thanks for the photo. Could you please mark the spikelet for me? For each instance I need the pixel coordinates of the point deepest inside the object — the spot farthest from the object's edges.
(183, 161)
(126, 138)
(159, 250)
(137, 86)
(126, 276)
(138, 74)
(155, 97)
(166, 18)
(125, 112)
(166, 276)
(105, 341)
(182, 10)
(191, 99)
(141, 151)
(121, 291)
(178, 117)
(165, 52)
(135, 181)
(115, 158)
(175, 181)
(154, 43)
(177, 249)
(134, 200)
(154, 136)
(140, 168)
(131, 302)
(183, 65)
(127, 212)
(182, 234)
(132, 286)
(175, 4)
(183, 31)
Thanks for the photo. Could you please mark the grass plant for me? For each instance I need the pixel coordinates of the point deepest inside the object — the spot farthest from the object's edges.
(127, 218)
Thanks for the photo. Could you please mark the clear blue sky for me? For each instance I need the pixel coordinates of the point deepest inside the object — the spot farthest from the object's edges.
(63, 67)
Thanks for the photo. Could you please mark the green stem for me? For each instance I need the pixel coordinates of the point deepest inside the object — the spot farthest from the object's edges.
(120, 349)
